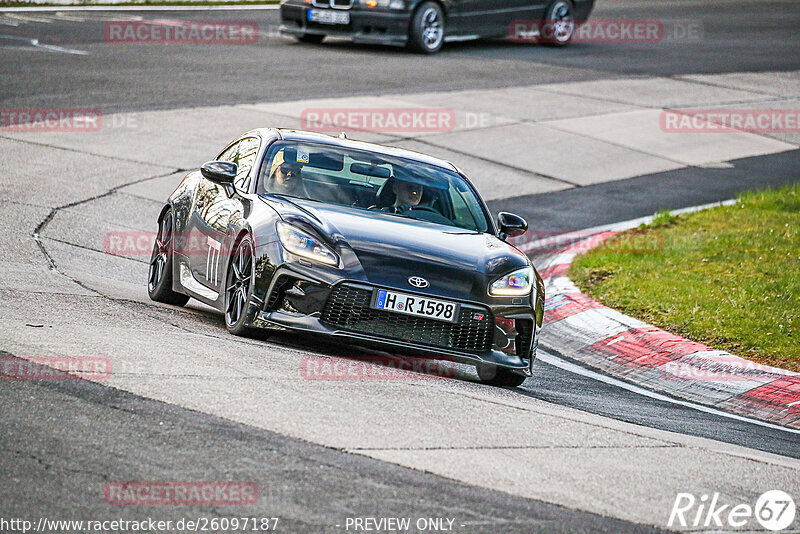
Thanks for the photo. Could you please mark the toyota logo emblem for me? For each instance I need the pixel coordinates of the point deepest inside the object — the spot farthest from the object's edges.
(418, 281)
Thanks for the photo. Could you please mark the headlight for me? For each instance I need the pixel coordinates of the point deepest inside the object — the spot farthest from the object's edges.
(301, 243)
(516, 284)
(391, 4)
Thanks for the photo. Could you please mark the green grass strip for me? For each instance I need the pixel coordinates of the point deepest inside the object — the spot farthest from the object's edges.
(728, 277)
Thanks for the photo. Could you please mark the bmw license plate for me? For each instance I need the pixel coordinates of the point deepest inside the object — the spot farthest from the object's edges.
(328, 16)
(415, 305)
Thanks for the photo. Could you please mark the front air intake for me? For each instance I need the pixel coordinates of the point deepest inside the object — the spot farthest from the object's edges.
(348, 308)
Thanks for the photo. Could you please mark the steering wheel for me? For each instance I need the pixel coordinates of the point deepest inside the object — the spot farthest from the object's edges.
(408, 208)
(425, 213)
(422, 208)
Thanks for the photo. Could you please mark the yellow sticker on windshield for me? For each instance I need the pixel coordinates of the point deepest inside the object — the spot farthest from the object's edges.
(302, 157)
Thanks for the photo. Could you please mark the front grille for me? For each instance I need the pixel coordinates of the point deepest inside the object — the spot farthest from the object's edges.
(348, 308)
(335, 4)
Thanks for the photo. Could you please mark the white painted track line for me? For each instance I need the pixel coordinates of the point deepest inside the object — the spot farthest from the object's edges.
(555, 361)
(237, 7)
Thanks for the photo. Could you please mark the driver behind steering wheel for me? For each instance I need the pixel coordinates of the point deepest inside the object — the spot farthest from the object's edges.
(408, 195)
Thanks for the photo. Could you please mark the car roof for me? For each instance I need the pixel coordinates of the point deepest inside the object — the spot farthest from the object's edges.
(314, 137)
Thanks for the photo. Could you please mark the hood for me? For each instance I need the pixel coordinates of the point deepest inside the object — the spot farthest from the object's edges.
(385, 249)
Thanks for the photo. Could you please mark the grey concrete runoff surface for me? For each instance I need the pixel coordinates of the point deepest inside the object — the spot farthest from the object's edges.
(568, 138)
(310, 488)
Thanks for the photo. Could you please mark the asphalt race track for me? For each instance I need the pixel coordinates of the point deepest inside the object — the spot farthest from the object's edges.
(566, 452)
(121, 77)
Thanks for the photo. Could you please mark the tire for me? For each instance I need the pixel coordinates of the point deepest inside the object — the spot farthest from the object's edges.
(427, 29)
(558, 26)
(491, 375)
(311, 38)
(239, 289)
(159, 275)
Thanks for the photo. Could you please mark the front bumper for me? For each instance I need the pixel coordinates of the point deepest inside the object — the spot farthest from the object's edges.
(366, 26)
(299, 302)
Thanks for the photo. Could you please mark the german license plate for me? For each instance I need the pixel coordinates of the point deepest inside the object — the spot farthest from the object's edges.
(328, 16)
(392, 301)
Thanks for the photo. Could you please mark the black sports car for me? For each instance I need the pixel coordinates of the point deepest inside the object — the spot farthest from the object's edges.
(381, 246)
(425, 25)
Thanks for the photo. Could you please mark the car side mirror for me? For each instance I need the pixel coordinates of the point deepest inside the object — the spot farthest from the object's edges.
(219, 172)
(511, 225)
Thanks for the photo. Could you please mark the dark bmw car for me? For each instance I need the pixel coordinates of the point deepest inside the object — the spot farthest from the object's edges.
(424, 25)
(378, 246)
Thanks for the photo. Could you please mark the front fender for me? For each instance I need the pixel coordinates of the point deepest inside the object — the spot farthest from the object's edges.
(540, 297)
(447, 5)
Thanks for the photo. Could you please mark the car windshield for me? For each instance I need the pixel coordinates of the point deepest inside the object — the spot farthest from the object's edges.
(369, 181)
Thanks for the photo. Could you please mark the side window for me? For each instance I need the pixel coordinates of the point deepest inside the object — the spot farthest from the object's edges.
(245, 158)
(463, 215)
(243, 154)
(468, 213)
(231, 153)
